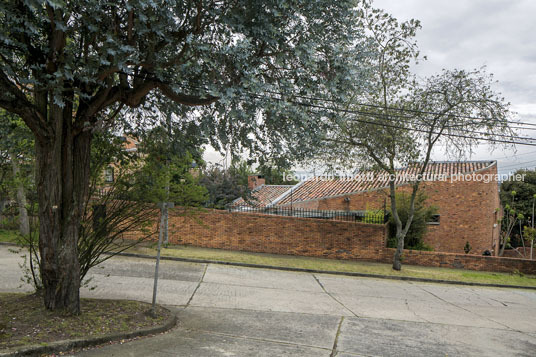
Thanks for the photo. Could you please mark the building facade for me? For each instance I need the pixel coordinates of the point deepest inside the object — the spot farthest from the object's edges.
(466, 195)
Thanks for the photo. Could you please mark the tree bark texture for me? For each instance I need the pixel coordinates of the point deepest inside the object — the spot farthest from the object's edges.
(62, 185)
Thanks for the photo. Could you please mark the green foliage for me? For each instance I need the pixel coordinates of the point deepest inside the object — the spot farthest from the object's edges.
(240, 170)
(275, 175)
(518, 197)
(167, 170)
(16, 143)
(529, 233)
(173, 55)
(419, 226)
(83, 65)
(223, 186)
(467, 247)
(374, 216)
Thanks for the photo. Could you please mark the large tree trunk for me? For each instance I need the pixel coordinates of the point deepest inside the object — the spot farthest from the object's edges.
(24, 222)
(62, 185)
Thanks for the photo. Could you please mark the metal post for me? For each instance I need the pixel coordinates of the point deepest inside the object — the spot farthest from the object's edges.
(166, 222)
(155, 287)
(168, 179)
(532, 240)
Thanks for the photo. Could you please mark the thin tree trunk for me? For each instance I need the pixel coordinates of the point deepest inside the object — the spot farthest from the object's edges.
(62, 185)
(501, 251)
(522, 240)
(532, 240)
(3, 204)
(24, 223)
(166, 213)
(397, 259)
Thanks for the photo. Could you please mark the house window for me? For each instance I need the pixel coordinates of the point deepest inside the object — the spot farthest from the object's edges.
(109, 174)
(434, 220)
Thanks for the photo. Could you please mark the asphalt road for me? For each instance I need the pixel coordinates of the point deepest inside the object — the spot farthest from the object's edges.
(235, 311)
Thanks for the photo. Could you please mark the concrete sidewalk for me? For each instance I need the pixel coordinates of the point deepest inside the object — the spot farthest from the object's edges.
(234, 311)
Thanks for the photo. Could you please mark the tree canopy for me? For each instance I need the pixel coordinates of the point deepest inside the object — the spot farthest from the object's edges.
(72, 69)
(519, 197)
(95, 58)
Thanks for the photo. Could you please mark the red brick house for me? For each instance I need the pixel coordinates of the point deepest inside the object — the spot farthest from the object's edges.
(465, 193)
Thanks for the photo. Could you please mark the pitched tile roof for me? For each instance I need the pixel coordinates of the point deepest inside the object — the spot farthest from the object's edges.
(263, 195)
(365, 181)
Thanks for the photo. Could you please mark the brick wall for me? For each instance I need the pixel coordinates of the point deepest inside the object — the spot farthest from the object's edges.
(461, 261)
(276, 234)
(315, 238)
(520, 252)
(467, 209)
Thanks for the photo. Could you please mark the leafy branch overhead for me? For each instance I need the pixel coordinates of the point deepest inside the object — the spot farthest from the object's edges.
(73, 69)
(99, 57)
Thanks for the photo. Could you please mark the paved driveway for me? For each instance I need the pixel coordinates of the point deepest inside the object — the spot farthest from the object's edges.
(234, 311)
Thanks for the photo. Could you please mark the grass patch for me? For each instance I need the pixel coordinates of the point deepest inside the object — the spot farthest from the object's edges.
(291, 261)
(25, 321)
(9, 236)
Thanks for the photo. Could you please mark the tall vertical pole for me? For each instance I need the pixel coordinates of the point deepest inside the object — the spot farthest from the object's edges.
(165, 209)
(532, 240)
(155, 287)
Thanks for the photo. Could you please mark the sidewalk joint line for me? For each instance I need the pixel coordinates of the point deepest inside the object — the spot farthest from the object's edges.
(331, 296)
(334, 349)
(197, 287)
(508, 328)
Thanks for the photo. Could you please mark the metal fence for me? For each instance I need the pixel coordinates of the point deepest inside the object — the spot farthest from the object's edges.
(368, 216)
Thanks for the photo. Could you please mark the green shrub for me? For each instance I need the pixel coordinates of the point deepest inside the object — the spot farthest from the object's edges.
(422, 215)
(374, 216)
(467, 248)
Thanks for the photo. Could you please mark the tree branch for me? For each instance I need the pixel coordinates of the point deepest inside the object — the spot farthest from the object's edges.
(186, 99)
(13, 100)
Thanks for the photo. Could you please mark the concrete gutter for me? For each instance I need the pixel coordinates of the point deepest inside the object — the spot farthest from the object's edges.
(67, 345)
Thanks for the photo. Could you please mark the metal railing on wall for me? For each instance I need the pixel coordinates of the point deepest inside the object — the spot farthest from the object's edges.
(368, 216)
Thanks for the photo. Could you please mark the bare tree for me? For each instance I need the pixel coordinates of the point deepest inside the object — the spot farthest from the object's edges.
(400, 120)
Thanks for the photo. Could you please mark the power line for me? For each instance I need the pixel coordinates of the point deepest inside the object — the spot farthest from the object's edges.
(358, 103)
(519, 163)
(403, 110)
(482, 119)
(515, 155)
(377, 115)
(418, 130)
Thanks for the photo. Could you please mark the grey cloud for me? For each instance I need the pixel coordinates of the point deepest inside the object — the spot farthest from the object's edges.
(469, 34)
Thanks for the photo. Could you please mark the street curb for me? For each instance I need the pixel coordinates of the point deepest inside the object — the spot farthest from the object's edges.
(302, 270)
(66, 345)
(362, 275)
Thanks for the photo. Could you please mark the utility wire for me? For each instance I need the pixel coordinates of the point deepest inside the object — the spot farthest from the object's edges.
(519, 163)
(482, 119)
(380, 115)
(396, 109)
(415, 129)
(516, 155)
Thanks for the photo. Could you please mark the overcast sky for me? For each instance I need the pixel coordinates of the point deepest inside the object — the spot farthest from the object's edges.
(467, 34)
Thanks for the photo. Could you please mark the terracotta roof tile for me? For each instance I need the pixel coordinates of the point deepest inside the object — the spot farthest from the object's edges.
(315, 189)
(263, 195)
